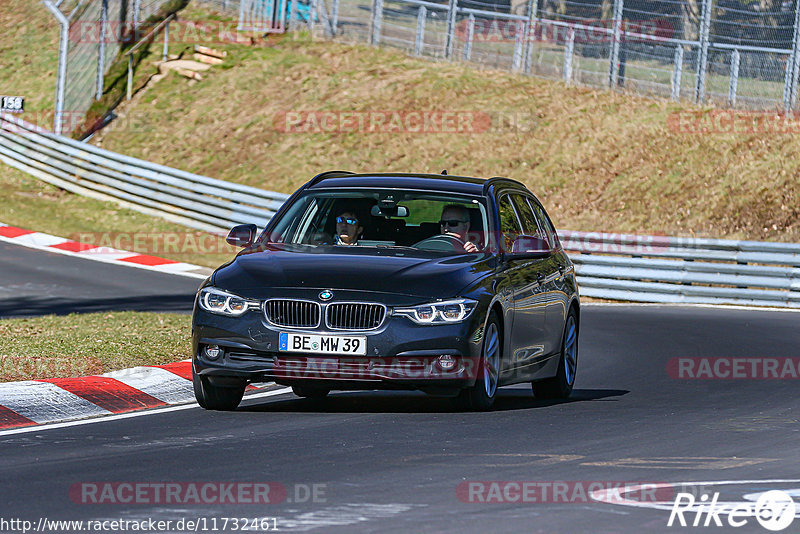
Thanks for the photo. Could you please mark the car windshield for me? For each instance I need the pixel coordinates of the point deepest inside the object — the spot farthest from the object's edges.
(383, 218)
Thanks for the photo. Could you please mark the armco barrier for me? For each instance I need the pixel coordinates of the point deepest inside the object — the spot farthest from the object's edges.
(678, 269)
(189, 199)
(610, 266)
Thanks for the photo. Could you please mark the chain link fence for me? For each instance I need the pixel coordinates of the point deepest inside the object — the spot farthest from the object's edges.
(92, 33)
(728, 53)
(724, 52)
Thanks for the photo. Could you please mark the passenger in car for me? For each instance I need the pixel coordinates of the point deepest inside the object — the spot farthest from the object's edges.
(348, 230)
(455, 222)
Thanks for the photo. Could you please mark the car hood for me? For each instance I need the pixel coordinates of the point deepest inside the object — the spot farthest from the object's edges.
(257, 274)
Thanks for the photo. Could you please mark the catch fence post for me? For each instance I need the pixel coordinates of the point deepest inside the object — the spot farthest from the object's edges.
(61, 78)
(616, 37)
(101, 50)
(530, 34)
(470, 36)
(516, 59)
(702, 63)
(335, 17)
(568, 53)
(377, 21)
(677, 72)
(792, 64)
(137, 14)
(419, 40)
(165, 51)
(452, 10)
(734, 79)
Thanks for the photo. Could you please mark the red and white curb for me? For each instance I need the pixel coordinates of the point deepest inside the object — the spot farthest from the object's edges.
(38, 402)
(44, 401)
(60, 245)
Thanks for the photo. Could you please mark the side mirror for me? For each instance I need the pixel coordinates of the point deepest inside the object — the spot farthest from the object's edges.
(242, 235)
(530, 246)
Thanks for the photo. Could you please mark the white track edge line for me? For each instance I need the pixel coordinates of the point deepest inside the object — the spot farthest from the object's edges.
(116, 417)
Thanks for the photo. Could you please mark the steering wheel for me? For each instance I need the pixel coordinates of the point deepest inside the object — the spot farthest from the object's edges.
(442, 243)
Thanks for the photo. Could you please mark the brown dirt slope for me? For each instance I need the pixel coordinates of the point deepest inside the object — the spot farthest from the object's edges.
(599, 160)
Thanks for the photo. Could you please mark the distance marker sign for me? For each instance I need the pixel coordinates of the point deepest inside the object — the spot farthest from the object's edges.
(12, 104)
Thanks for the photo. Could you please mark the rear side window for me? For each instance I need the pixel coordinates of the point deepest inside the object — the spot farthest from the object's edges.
(530, 226)
(510, 227)
(546, 224)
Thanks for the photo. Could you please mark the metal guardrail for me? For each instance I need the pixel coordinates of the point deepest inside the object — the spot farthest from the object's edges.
(685, 270)
(189, 199)
(610, 266)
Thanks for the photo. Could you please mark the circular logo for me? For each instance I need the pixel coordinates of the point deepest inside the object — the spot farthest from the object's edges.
(325, 295)
(775, 510)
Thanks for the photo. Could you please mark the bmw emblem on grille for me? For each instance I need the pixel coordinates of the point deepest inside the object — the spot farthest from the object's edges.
(326, 295)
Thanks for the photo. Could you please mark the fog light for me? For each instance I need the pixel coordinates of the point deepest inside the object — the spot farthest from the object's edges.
(212, 352)
(446, 362)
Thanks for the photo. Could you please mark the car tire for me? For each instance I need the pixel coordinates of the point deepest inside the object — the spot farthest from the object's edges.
(310, 392)
(480, 397)
(213, 397)
(560, 386)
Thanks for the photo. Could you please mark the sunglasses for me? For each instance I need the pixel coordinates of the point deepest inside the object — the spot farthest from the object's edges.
(451, 222)
(346, 220)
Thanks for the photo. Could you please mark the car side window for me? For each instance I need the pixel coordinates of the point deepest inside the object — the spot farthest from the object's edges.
(509, 223)
(545, 224)
(530, 226)
(295, 223)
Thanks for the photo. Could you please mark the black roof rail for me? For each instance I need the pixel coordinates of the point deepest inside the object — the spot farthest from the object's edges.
(327, 174)
(495, 179)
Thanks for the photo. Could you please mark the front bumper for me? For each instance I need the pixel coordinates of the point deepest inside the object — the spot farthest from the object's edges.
(400, 354)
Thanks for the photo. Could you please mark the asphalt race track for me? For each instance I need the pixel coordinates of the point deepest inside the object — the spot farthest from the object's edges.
(35, 282)
(399, 462)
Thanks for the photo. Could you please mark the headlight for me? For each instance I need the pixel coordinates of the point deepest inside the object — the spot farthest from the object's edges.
(224, 303)
(449, 311)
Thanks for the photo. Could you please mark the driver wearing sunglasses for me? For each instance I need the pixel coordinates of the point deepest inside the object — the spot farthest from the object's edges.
(455, 222)
(348, 230)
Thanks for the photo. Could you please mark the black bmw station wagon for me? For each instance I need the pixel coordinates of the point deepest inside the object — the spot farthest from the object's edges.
(450, 285)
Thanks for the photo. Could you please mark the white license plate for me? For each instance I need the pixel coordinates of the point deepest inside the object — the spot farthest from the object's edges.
(319, 344)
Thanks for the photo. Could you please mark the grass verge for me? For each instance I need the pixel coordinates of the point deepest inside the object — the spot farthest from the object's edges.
(90, 343)
(29, 56)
